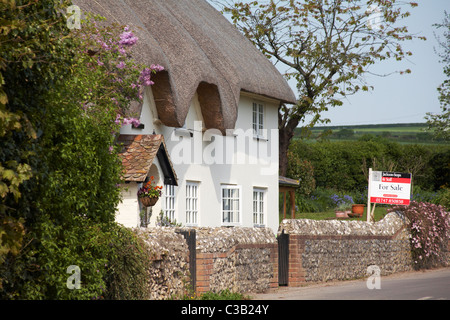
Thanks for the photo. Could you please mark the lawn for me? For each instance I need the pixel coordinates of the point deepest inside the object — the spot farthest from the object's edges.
(380, 212)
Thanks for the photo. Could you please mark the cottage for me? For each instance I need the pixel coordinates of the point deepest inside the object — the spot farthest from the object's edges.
(214, 110)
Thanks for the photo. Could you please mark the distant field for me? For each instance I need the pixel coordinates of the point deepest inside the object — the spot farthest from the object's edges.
(402, 133)
(411, 129)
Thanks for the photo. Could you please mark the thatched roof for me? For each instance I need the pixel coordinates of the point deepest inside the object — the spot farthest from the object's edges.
(202, 53)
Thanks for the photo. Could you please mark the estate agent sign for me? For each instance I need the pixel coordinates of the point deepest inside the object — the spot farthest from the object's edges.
(389, 188)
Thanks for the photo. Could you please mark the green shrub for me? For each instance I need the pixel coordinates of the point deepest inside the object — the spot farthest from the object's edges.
(222, 295)
(128, 266)
(443, 198)
(59, 168)
(303, 171)
(344, 165)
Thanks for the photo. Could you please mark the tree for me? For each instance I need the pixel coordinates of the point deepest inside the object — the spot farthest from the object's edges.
(327, 46)
(62, 97)
(439, 124)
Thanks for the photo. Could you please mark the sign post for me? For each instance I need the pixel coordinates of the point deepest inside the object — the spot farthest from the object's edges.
(388, 188)
(369, 214)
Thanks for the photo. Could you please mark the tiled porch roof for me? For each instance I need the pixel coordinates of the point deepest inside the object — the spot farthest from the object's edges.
(138, 153)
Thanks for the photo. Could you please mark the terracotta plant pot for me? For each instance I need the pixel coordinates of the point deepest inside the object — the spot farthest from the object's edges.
(358, 209)
(341, 214)
(149, 202)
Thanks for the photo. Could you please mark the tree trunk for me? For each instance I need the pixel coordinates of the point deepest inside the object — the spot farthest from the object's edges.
(284, 146)
(285, 135)
(287, 123)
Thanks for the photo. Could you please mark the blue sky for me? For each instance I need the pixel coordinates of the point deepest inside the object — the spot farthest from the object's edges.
(401, 98)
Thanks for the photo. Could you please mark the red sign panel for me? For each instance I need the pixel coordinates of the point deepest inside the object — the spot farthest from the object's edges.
(390, 188)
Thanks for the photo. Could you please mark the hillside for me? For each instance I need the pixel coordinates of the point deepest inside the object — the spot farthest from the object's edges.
(399, 132)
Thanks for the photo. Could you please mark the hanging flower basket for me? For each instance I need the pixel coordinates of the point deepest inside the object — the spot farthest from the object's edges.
(149, 201)
(149, 193)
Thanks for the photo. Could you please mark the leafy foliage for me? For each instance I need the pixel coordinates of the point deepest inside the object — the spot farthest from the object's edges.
(326, 46)
(128, 276)
(303, 171)
(440, 123)
(344, 165)
(60, 111)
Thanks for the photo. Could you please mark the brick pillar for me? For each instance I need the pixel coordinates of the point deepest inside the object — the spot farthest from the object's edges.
(296, 272)
(274, 261)
(205, 262)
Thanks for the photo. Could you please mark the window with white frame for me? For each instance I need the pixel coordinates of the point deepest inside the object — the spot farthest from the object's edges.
(169, 202)
(258, 206)
(192, 203)
(258, 119)
(231, 205)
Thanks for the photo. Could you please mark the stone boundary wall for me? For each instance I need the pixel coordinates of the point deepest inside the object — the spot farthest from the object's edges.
(246, 259)
(238, 259)
(169, 268)
(341, 250)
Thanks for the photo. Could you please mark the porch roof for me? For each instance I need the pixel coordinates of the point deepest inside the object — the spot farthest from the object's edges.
(138, 153)
(288, 182)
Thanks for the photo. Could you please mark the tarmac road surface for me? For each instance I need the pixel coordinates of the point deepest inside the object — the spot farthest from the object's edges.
(417, 285)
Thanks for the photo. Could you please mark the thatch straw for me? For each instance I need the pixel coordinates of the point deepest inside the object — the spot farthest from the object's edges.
(202, 53)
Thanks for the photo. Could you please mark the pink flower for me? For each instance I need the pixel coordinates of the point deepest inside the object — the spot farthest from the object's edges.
(135, 122)
(118, 119)
(132, 121)
(128, 39)
(157, 67)
(146, 76)
(121, 65)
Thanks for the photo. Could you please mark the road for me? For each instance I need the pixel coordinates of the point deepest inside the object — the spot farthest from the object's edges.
(418, 285)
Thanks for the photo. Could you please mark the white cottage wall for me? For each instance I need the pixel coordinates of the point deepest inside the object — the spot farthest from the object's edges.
(212, 169)
(128, 209)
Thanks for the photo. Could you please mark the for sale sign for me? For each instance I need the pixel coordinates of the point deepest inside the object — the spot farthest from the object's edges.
(390, 187)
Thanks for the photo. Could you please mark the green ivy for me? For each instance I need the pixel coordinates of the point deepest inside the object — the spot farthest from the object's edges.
(59, 169)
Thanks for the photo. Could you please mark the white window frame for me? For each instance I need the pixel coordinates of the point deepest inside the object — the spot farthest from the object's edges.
(258, 119)
(192, 203)
(169, 202)
(231, 205)
(259, 207)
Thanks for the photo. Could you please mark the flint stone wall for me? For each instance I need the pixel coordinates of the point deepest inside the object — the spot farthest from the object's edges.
(238, 259)
(169, 270)
(341, 250)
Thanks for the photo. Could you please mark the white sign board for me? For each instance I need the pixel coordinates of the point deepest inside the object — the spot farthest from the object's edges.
(390, 187)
